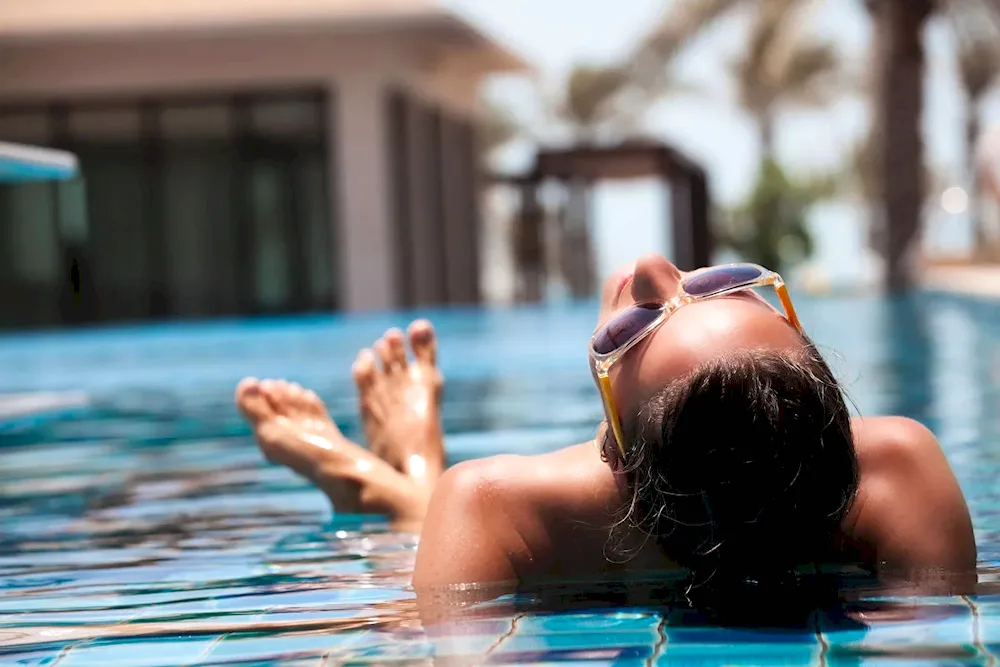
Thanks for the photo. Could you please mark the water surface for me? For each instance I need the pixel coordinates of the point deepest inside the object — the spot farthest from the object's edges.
(146, 529)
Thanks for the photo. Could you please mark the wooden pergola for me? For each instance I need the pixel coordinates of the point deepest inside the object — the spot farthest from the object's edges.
(580, 167)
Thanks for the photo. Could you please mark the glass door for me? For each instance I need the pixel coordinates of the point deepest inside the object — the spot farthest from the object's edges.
(277, 264)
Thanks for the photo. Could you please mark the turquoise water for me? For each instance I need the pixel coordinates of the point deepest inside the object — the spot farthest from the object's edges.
(146, 529)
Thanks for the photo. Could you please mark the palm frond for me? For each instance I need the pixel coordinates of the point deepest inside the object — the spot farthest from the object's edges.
(649, 62)
(810, 73)
(590, 91)
(978, 40)
(780, 65)
(770, 33)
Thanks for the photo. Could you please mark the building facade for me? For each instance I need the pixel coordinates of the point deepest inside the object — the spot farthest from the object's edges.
(240, 157)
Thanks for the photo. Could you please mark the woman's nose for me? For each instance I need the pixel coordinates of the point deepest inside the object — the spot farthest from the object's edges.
(655, 279)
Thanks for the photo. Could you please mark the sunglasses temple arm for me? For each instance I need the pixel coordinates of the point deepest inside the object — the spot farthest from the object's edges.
(786, 302)
(609, 402)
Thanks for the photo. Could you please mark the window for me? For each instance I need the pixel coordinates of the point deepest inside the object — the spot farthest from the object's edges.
(185, 207)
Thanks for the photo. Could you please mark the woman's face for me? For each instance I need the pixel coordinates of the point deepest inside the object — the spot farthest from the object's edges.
(692, 335)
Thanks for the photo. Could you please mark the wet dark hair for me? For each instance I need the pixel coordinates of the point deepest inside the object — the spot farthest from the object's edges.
(743, 470)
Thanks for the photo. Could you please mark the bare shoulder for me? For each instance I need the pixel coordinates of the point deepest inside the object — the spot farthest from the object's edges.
(516, 489)
(893, 440)
(473, 531)
(480, 482)
(490, 519)
(910, 509)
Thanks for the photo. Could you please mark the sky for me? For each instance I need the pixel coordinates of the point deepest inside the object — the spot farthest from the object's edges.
(554, 35)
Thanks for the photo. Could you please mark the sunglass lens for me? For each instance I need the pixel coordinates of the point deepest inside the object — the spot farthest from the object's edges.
(624, 327)
(720, 279)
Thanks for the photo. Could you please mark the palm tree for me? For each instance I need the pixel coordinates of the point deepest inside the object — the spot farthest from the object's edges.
(899, 60)
(979, 69)
(647, 68)
(897, 146)
(897, 141)
(777, 69)
(780, 69)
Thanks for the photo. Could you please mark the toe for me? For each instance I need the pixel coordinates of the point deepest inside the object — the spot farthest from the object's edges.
(252, 401)
(296, 397)
(307, 402)
(277, 394)
(246, 386)
(312, 404)
(397, 350)
(364, 370)
(424, 342)
(381, 348)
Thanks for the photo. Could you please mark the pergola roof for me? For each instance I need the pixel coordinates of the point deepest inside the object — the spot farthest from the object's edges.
(636, 158)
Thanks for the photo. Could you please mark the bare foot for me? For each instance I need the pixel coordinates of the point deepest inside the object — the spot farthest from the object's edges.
(294, 429)
(399, 401)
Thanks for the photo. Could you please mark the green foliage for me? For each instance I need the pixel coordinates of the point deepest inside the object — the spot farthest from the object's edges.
(770, 226)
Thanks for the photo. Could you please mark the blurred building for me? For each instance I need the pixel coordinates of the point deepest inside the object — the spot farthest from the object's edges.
(240, 157)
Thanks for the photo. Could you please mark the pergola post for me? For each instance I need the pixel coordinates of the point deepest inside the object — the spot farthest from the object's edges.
(680, 216)
(703, 242)
(529, 244)
(576, 256)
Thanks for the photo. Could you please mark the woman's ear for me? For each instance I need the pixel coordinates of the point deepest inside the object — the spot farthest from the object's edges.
(604, 439)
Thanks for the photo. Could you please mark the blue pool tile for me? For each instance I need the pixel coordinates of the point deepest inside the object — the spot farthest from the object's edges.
(631, 655)
(987, 624)
(138, 653)
(32, 658)
(714, 636)
(523, 641)
(615, 662)
(467, 646)
(783, 655)
(382, 647)
(327, 597)
(181, 610)
(932, 627)
(387, 651)
(907, 661)
(300, 615)
(280, 646)
(481, 627)
(20, 604)
(621, 621)
(47, 618)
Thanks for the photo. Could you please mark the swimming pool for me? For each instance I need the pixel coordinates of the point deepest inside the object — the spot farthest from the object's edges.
(145, 529)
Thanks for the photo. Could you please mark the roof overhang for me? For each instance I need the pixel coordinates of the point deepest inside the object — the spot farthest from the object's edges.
(103, 21)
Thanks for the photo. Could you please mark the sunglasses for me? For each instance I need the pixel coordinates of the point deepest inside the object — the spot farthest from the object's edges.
(629, 327)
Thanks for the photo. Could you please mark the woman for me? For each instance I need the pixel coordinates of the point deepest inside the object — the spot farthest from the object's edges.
(727, 449)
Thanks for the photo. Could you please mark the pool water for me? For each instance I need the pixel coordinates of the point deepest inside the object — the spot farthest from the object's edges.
(145, 529)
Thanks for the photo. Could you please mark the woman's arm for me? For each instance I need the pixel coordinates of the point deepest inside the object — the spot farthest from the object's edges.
(911, 511)
(468, 537)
